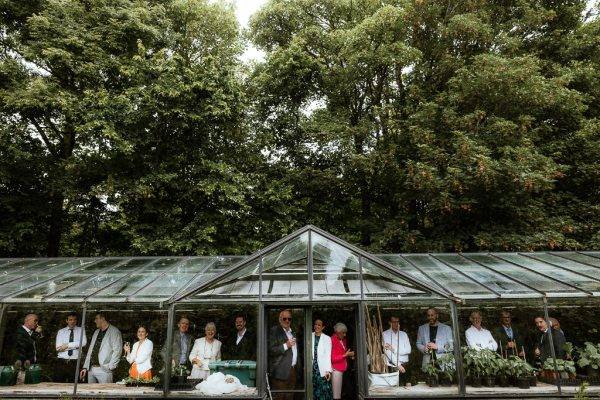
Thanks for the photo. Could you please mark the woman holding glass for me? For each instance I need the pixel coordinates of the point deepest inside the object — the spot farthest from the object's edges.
(139, 356)
(339, 358)
(321, 362)
(205, 350)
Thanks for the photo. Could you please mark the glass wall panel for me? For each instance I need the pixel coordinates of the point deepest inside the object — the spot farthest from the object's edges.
(401, 339)
(38, 360)
(123, 353)
(577, 321)
(205, 346)
(501, 346)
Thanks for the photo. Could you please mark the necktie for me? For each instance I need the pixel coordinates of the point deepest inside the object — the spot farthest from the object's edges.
(509, 333)
(182, 356)
(71, 339)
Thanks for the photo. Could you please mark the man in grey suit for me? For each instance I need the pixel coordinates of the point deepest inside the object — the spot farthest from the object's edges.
(104, 352)
(434, 338)
(181, 345)
(284, 357)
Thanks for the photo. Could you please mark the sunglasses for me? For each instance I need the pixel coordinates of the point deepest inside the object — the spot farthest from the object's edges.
(286, 318)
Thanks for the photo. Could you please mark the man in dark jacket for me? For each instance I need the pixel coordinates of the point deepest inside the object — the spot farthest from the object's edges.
(284, 357)
(544, 345)
(25, 340)
(509, 339)
(242, 344)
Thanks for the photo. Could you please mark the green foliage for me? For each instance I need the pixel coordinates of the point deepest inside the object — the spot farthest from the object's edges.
(131, 127)
(589, 355)
(561, 365)
(517, 367)
(481, 362)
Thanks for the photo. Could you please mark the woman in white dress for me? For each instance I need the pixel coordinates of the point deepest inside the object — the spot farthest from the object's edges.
(205, 350)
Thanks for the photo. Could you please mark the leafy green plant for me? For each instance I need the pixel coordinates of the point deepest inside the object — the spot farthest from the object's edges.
(561, 365)
(141, 381)
(180, 370)
(447, 365)
(479, 363)
(517, 367)
(589, 355)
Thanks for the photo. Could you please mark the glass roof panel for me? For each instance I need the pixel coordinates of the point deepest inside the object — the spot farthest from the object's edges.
(491, 279)
(552, 272)
(24, 268)
(171, 282)
(136, 281)
(99, 281)
(377, 282)
(333, 266)
(540, 282)
(558, 262)
(399, 262)
(45, 274)
(285, 269)
(591, 258)
(447, 277)
(292, 252)
(243, 282)
(216, 266)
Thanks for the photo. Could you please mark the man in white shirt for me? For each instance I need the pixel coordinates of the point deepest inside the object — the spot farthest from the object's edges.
(477, 337)
(397, 345)
(67, 347)
(284, 357)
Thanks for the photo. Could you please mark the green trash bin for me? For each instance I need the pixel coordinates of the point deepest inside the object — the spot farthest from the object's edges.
(244, 370)
(33, 374)
(8, 376)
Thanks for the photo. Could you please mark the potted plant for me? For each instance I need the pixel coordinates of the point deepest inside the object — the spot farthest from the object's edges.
(588, 358)
(503, 372)
(380, 372)
(474, 365)
(565, 369)
(447, 365)
(520, 370)
(433, 372)
(129, 381)
(180, 374)
(490, 366)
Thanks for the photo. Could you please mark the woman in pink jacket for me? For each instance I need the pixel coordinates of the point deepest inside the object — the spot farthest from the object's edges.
(339, 358)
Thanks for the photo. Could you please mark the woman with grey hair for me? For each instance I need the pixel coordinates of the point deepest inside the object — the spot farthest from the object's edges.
(205, 350)
(339, 358)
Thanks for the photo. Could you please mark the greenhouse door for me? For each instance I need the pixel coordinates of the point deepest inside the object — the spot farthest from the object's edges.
(298, 385)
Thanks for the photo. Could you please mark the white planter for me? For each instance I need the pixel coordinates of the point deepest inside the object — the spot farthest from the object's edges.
(391, 379)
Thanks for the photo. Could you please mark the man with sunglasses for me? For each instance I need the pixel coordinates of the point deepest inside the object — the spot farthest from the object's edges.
(284, 357)
(26, 340)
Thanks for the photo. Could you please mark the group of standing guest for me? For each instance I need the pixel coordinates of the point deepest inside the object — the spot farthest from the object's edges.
(106, 348)
(331, 357)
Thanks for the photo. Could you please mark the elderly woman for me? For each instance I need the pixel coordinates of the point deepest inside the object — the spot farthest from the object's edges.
(339, 358)
(205, 350)
(321, 362)
(139, 356)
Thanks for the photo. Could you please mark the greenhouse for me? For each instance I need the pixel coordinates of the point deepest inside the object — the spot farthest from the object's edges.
(310, 275)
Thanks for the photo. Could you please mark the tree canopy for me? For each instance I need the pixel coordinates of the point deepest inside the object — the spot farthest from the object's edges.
(134, 127)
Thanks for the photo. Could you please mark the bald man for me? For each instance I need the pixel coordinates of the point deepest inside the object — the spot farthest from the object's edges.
(25, 339)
